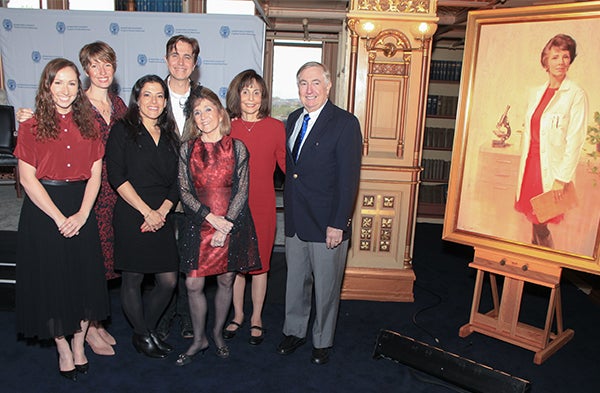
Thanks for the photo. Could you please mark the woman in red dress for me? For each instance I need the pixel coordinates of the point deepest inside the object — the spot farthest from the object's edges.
(99, 61)
(219, 237)
(555, 130)
(264, 136)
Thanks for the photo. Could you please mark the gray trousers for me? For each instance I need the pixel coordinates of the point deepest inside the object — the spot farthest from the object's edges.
(311, 264)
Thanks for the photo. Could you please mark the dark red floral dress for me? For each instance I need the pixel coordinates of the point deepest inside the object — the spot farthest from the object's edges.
(107, 197)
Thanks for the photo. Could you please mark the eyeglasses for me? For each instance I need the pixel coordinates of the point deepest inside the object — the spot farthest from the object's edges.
(182, 101)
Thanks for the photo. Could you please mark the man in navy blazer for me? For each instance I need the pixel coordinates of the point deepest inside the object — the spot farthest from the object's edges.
(322, 176)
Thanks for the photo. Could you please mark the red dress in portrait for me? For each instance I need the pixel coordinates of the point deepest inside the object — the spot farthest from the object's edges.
(265, 141)
(531, 185)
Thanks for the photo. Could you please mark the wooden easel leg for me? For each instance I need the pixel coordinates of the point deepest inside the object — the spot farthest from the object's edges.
(554, 341)
(466, 329)
(495, 297)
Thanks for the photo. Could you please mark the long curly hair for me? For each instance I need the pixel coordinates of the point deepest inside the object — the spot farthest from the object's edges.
(45, 108)
(166, 121)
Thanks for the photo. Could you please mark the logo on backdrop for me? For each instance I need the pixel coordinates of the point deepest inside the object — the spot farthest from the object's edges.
(199, 62)
(60, 27)
(142, 59)
(36, 56)
(11, 84)
(225, 31)
(114, 28)
(169, 30)
(223, 92)
(7, 24)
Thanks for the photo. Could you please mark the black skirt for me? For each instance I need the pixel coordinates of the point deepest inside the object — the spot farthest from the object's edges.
(60, 281)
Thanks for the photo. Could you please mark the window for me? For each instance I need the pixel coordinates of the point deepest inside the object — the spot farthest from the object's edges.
(26, 4)
(238, 7)
(288, 57)
(96, 5)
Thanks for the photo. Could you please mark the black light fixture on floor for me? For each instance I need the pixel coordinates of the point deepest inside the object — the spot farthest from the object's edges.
(447, 366)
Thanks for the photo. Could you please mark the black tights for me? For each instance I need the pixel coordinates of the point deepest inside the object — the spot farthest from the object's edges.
(156, 300)
(198, 309)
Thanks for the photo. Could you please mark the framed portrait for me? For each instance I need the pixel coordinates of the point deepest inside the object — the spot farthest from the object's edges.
(525, 174)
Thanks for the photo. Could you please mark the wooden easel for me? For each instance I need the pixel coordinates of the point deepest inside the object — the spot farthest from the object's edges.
(502, 322)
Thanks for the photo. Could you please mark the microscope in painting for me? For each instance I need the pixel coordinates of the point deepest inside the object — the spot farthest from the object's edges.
(502, 130)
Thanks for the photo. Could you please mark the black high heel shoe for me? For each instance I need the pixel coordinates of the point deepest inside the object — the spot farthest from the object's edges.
(82, 368)
(143, 343)
(71, 374)
(223, 352)
(185, 359)
(162, 345)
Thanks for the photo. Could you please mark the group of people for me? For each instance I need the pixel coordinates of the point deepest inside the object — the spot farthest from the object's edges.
(180, 187)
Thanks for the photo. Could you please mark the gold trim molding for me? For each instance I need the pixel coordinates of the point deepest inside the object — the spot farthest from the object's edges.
(394, 6)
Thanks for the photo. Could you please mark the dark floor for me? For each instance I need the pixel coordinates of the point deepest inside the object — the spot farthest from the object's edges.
(443, 293)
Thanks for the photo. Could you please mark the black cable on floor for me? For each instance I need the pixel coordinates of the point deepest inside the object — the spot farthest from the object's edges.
(416, 314)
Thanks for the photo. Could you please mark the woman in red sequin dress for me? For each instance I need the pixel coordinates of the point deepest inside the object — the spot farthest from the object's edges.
(219, 237)
(264, 136)
(555, 130)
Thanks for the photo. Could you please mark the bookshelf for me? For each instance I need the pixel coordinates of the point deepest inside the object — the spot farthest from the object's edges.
(438, 135)
(150, 5)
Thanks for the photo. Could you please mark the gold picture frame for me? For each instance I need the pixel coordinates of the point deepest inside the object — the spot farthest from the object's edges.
(502, 62)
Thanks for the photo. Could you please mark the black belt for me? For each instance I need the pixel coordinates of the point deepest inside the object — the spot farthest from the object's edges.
(52, 182)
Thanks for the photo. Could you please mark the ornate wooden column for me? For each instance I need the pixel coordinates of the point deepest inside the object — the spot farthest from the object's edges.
(389, 60)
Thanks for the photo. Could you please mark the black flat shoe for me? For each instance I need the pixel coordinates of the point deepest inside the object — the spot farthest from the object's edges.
(162, 345)
(289, 344)
(71, 374)
(82, 368)
(146, 345)
(185, 359)
(229, 334)
(256, 340)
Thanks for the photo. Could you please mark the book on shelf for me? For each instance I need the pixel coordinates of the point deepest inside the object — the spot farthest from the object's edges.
(433, 193)
(435, 170)
(438, 138)
(153, 5)
(439, 105)
(445, 70)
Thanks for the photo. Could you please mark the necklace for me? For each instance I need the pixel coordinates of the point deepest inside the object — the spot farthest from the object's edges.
(102, 107)
(246, 127)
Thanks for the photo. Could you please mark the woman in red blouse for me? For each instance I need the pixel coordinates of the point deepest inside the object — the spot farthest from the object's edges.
(60, 278)
(99, 62)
